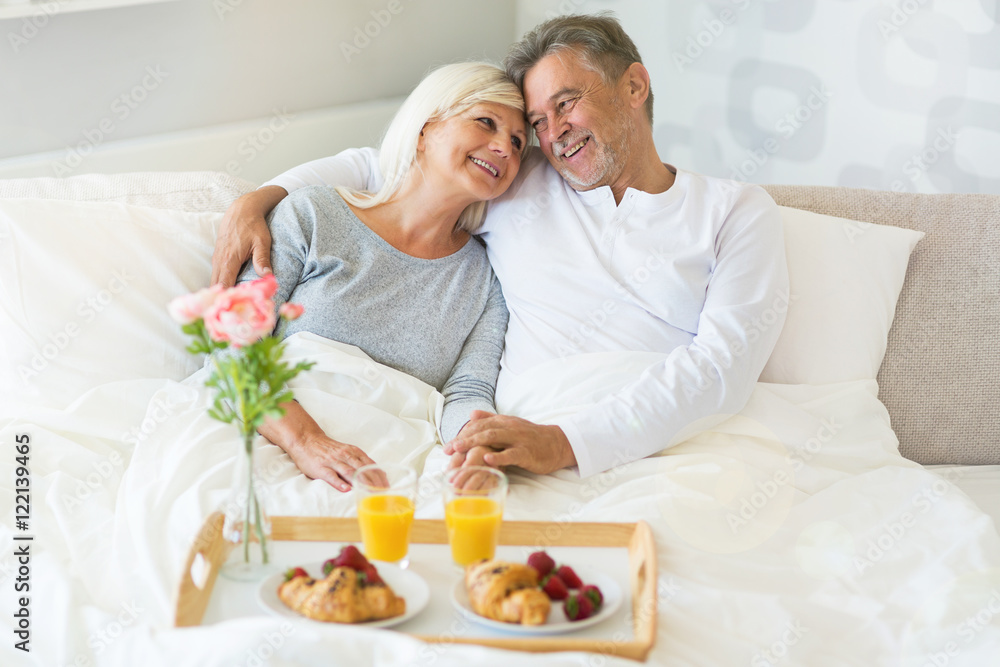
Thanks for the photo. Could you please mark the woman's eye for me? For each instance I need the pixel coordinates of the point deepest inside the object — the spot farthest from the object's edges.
(517, 142)
(488, 122)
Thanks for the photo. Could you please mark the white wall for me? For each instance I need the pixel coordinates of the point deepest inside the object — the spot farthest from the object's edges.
(914, 88)
(110, 75)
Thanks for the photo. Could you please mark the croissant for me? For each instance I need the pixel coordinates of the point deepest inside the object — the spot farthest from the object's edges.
(506, 592)
(341, 598)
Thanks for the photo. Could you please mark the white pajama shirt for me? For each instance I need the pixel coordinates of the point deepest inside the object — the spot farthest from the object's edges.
(693, 273)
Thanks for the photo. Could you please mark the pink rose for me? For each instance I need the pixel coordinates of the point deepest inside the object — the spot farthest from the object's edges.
(243, 314)
(191, 307)
(290, 311)
(267, 286)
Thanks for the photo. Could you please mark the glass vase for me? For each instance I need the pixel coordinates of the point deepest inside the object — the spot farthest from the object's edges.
(247, 525)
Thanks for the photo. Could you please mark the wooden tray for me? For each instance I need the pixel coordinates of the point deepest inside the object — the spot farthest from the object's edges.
(210, 550)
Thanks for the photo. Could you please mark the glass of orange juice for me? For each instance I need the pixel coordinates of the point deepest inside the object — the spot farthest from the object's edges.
(386, 494)
(473, 508)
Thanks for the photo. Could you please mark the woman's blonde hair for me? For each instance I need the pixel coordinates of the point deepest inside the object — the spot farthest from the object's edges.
(445, 92)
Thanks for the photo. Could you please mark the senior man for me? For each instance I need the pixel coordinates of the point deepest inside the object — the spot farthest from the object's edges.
(599, 246)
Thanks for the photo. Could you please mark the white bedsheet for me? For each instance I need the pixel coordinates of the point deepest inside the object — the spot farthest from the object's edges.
(790, 534)
(981, 483)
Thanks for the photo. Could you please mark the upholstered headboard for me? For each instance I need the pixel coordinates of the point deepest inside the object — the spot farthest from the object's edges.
(940, 378)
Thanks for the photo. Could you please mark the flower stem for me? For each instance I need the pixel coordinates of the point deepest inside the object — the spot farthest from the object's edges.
(248, 452)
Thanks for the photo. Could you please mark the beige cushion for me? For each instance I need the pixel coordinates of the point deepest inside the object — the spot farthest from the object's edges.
(940, 378)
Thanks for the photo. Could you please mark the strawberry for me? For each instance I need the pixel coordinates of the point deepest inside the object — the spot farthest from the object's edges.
(371, 575)
(295, 572)
(593, 593)
(352, 558)
(554, 587)
(578, 607)
(569, 577)
(542, 562)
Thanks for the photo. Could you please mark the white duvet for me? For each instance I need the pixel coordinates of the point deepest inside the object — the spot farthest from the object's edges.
(792, 533)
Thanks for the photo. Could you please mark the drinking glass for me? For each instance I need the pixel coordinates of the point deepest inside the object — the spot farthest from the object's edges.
(473, 509)
(386, 494)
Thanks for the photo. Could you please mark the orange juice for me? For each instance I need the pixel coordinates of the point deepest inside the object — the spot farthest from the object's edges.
(473, 528)
(385, 522)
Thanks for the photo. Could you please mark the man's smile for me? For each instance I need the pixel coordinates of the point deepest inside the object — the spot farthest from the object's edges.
(573, 148)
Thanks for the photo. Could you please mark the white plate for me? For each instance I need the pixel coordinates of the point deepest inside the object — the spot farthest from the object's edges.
(405, 583)
(557, 622)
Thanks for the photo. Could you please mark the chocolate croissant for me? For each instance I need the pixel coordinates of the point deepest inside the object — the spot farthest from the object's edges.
(506, 592)
(341, 598)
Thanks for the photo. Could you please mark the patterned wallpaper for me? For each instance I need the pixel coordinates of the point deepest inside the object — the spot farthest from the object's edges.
(887, 94)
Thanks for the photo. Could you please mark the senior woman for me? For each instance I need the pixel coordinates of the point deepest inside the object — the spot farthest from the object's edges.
(396, 271)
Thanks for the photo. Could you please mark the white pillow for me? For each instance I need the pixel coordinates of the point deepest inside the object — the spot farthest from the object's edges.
(845, 277)
(83, 293)
(84, 288)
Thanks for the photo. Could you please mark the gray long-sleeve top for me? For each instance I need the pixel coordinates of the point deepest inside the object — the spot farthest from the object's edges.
(440, 320)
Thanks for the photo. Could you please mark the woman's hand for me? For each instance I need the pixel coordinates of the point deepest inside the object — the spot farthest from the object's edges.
(474, 457)
(322, 457)
(316, 454)
(243, 234)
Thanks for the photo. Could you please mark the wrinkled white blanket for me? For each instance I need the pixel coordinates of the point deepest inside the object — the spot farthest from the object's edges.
(792, 533)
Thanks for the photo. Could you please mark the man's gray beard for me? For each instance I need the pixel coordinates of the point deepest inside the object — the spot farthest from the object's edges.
(610, 156)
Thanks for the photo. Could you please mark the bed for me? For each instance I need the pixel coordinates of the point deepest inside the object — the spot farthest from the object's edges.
(847, 516)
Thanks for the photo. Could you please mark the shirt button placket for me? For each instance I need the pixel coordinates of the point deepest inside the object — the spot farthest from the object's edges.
(614, 227)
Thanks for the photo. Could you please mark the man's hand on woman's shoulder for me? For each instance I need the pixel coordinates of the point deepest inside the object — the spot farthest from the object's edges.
(244, 235)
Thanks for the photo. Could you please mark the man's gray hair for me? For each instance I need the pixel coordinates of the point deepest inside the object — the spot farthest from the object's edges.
(598, 38)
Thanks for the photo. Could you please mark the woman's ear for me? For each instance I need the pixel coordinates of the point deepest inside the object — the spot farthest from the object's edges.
(420, 139)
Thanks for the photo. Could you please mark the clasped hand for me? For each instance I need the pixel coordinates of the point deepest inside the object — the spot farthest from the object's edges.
(502, 440)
